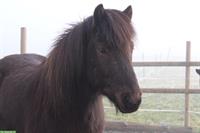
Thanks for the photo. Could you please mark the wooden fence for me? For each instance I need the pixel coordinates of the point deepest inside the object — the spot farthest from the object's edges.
(187, 91)
(187, 64)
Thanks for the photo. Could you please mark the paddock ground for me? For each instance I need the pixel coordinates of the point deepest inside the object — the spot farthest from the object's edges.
(121, 127)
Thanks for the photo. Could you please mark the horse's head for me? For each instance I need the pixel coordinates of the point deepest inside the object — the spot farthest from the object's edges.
(110, 68)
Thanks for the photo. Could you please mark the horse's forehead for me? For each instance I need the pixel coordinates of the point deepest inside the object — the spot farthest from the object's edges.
(123, 41)
(122, 30)
(116, 31)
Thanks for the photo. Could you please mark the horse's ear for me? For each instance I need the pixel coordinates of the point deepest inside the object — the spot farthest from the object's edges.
(128, 11)
(99, 13)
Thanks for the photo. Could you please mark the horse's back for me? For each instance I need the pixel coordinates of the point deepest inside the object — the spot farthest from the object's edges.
(19, 61)
(16, 62)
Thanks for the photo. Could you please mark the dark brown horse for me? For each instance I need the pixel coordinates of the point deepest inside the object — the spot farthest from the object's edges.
(63, 93)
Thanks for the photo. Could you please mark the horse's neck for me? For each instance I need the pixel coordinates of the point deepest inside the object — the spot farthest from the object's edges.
(91, 119)
(95, 116)
(80, 97)
(80, 111)
(83, 102)
(76, 94)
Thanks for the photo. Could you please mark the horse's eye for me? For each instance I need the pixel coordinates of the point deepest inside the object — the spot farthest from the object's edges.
(103, 50)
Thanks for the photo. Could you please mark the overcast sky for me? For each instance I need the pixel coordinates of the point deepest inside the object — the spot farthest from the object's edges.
(162, 26)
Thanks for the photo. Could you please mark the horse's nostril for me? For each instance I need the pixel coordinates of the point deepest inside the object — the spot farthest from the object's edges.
(127, 101)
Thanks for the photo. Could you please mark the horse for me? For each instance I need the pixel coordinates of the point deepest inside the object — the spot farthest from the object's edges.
(63, 91)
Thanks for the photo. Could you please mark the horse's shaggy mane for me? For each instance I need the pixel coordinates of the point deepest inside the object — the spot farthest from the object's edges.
(65, 66)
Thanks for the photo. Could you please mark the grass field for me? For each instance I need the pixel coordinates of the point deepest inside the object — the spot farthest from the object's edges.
(7, 131)
(162, 77)
(159, 102)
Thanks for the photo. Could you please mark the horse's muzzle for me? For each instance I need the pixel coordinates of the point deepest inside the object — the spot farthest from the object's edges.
(131, 103)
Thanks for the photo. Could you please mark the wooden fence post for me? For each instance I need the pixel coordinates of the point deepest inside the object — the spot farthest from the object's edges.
(187, 83)
(23, 40)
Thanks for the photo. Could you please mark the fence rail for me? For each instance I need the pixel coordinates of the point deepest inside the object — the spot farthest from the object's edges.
(172, 90)
(166, 64)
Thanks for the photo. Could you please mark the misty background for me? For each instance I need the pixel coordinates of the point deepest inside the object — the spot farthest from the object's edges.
(162, 26)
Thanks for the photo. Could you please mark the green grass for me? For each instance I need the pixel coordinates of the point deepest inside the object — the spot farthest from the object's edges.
(7, 131)
(162, 102)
